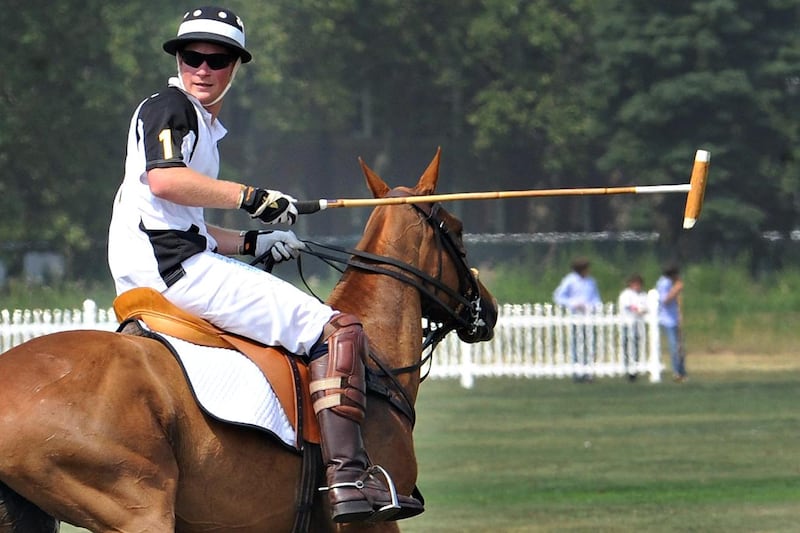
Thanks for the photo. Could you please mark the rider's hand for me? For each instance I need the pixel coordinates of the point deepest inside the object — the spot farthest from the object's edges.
(282, 245)
(271, 207)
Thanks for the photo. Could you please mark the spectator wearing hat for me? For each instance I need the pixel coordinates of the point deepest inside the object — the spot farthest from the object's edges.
(158, 238)
(578, 294)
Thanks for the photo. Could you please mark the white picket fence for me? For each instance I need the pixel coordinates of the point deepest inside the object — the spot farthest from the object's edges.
(530, 340)
(543, 340)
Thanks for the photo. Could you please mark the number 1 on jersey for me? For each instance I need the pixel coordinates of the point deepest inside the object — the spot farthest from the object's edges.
(166, 139)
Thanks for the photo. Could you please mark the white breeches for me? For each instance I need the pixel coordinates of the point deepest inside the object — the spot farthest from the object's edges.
(250, 302)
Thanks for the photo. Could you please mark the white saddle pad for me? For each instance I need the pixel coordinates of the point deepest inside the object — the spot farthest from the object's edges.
(230, 387)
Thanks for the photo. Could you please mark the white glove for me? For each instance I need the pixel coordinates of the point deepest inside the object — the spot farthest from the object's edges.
(283, 245)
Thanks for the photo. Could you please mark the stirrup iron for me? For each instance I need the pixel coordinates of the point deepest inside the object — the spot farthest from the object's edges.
(388, 510)
(385, 512)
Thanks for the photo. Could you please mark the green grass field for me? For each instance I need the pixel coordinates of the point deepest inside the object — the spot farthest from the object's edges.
(719, 453)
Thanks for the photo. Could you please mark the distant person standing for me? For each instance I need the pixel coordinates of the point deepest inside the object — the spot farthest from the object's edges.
(632, 305)
(670, 290)
(579, 295)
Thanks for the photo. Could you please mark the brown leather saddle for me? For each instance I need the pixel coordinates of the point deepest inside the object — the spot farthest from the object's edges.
(288, 377)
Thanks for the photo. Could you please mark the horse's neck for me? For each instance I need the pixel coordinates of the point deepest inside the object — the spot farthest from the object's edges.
(389, 311)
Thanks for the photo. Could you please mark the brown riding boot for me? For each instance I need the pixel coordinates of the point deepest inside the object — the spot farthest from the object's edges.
(357, 491)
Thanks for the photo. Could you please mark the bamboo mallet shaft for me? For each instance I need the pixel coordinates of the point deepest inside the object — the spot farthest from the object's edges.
(313, 206)
(694, 202)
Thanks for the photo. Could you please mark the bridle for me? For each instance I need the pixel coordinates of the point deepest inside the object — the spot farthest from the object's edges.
(441, 317)
(467, 313)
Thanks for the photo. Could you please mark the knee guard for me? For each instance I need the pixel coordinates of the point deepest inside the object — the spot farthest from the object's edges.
(337, 380)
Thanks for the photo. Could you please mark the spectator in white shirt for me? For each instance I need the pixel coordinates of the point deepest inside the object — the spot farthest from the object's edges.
(633, 306)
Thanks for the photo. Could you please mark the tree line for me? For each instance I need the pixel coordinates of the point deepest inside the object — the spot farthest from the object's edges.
(520, 94)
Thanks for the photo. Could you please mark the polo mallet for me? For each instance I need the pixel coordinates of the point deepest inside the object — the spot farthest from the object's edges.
(695, 190)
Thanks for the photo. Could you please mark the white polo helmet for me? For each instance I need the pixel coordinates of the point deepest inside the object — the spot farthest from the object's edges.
(210, 24)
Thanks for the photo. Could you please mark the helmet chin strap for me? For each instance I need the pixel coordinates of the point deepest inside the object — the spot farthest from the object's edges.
(227, 87)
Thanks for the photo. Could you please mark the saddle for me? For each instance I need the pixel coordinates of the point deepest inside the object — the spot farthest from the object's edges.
(289, 378)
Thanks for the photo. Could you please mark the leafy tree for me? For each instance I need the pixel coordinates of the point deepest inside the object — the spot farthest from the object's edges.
(702, 74)
(520, 93)
(531, 114)
(63, 126)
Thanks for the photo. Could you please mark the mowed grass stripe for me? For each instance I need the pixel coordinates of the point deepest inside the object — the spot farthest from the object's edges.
(493, 490)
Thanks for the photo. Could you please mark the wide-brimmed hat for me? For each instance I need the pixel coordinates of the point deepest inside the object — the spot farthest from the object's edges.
(210, 24)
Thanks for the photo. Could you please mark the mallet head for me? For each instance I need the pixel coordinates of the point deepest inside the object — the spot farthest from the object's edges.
(697, 189)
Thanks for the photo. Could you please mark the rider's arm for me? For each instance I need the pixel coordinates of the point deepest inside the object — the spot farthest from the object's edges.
(674, 291)
(185, 186)
(229, 242)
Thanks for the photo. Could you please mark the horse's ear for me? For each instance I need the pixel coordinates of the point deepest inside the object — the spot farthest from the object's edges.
(427, 182)
(374, 182)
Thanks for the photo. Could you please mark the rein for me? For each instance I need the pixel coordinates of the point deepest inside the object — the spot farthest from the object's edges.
(466, 313)
(467, 295)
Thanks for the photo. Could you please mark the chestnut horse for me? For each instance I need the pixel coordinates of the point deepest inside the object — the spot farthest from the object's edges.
(100, 429)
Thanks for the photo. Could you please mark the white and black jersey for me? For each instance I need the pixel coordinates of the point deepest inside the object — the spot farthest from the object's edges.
(156, 243)
(150, 237)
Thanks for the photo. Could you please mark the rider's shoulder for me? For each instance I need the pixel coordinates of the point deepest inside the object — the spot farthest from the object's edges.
(169, 97)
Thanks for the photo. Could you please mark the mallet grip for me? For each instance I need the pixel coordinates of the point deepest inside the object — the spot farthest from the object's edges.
(310, 206)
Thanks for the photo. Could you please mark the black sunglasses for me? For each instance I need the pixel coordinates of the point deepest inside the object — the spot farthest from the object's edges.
(214, 61)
